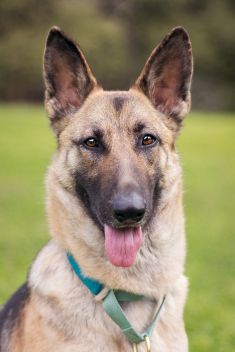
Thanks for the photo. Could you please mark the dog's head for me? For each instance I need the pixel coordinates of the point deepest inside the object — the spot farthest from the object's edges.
(116, 150)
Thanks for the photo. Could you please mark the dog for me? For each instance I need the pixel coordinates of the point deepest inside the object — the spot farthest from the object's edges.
(114, 203)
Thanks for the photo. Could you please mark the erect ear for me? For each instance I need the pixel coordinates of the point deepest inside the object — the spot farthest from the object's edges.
(68, 78)
(166, 77)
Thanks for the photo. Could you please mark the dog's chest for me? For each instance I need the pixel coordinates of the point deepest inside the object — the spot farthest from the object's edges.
(84, 326)
(70, 319)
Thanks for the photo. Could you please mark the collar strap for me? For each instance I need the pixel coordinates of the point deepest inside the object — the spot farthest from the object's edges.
(113, 308)
(94, 286)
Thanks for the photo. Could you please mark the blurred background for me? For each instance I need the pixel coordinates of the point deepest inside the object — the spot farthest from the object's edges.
(117, 36)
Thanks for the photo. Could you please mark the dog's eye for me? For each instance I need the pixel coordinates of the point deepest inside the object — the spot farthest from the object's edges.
(148, 139)
(91, 142)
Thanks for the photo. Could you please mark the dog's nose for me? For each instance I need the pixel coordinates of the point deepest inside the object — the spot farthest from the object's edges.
(129, 208)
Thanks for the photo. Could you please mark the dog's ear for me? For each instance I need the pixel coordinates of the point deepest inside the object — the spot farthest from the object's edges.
(68, 78)
(166, 77)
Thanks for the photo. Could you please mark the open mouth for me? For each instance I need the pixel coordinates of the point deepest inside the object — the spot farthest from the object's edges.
(122, 245)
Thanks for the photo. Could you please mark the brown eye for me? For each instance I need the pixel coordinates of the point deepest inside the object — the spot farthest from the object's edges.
(148, 139)
(91, 142)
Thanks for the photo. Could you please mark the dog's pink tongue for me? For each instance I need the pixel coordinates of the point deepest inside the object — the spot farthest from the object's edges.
(122, 245)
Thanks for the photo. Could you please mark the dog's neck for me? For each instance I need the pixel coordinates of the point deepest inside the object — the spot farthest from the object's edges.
(159, 262)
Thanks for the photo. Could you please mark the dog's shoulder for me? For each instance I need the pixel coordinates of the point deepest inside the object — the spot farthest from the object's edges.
(12, 312)
(12, 309)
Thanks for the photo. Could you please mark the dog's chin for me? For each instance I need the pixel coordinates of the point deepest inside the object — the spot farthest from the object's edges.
(122, 244)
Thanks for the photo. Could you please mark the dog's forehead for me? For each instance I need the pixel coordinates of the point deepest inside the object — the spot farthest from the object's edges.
(125, 107)
(114, 113)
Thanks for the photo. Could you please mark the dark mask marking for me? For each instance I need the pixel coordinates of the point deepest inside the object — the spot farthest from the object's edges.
(118, 103)
(139, 126)
(83, 196)
(157, 192)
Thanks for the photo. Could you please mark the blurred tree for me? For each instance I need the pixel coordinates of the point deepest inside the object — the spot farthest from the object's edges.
(117, 36)
(211, 26)
(21, 38)
(23, 29)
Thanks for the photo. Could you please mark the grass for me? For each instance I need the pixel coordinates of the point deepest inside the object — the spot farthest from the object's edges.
(207, 149)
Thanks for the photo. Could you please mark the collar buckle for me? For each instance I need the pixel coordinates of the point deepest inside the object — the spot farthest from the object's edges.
(147, 345)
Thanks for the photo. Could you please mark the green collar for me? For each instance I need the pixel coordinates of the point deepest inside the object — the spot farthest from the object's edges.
(111, 305)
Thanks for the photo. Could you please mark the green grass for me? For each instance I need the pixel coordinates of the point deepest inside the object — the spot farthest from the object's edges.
(207, 149)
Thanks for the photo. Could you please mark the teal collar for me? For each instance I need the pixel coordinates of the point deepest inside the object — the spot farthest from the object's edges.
(111, 305)
(94, 286)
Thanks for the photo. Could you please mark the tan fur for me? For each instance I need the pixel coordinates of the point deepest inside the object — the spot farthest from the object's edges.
(61, 314)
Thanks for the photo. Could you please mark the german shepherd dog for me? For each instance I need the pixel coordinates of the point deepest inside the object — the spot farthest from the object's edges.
(114, 202)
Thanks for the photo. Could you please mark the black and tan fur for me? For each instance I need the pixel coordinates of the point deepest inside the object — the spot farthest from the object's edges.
(54, 311)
